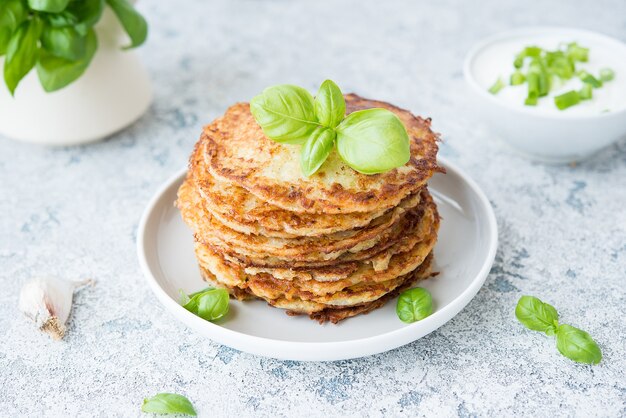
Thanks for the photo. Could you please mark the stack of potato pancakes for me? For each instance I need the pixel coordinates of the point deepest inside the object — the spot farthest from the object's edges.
(333, 245)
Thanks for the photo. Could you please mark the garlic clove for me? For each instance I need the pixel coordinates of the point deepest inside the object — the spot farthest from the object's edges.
(48, 302)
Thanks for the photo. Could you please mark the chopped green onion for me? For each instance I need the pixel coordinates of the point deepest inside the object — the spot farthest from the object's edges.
(497, 86)
(519, 62)
(532, 51)
(585, 77)
(577, 53)
(566, 100)
(533, 89)
(531, 100)
(517, 78)
(606, 74)
(586, 92)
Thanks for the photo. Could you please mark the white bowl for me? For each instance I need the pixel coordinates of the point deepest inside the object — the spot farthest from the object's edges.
(550, 136)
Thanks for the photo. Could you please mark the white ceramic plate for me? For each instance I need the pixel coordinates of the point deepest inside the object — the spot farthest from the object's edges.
(463, 256)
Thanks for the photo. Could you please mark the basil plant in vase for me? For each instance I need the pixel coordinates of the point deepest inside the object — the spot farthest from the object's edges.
(69, 73)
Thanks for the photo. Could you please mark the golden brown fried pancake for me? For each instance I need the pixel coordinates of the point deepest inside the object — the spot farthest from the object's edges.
(402, 236)
(234, 275)
(322, 312)
(327, 247)
(244, 212)
(238, 152)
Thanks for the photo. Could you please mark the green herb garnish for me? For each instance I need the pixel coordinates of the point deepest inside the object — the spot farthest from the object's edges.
(573, 343)
(550, 69)
(414, 305)
(497, 86)
(606, 74)
(57, 37)
(565, 100)
(168, 403)
(210, 304)
(370, 141)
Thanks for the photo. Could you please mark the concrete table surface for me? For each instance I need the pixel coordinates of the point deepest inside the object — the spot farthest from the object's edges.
(73, 213)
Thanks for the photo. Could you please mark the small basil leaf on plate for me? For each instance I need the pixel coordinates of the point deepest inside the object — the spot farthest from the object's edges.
(286, 113)
(577, 345)
(87, 13)
(373, 141)
(213, 304)
(22, 53)
(316, 150)
(168, 403)
(12, 14)
(134, 24)
(536, 315)
(55, 72)
(64, 42)
(49, 6)
(330, 106)
(414, 305)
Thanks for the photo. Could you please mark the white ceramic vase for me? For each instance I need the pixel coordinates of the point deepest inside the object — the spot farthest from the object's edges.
(112, 94)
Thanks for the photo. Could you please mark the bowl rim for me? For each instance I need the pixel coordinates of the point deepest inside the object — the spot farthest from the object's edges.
(534, 30)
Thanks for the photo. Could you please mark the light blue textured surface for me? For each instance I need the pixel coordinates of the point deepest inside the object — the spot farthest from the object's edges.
(73, 213)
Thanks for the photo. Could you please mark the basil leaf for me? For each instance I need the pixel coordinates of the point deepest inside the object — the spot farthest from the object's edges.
(577, 345)
(330, 106)
(22, 53)
(168, 403)
(213, 304)
(134, 24)
(373, 141)
(64, 42)
(536, 315)
(12, 13)
(56, 73)
(87, 13)
(285, 113)
(50, 6)
(59, 20)
(316, 150)
(414, 305)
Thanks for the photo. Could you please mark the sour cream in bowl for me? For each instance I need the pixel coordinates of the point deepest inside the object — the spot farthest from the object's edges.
(572, 62)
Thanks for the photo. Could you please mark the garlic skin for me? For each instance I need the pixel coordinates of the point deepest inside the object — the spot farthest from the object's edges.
(48, 301)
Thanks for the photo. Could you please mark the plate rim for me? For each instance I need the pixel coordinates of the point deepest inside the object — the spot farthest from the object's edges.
(321, 351)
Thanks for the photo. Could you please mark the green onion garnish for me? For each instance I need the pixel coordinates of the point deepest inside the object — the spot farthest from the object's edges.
(606, 74)
(577, 53)
(585, 77)
(517, 78)
(566, 100)
(586, 92)
(547, 70)
(497, 86)
(533, 89)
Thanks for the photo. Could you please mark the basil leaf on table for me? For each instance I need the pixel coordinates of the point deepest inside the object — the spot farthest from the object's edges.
(211, 304)
(134, 24)
(12, 14)
(577, 345)
(55, 72)
(168, 403)
(50, 6)
(22, 53)
(64, 42)
(537, 315)
(330, 106)
(316, 150)
(414, 305)
(285, 113)
(373, 141)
